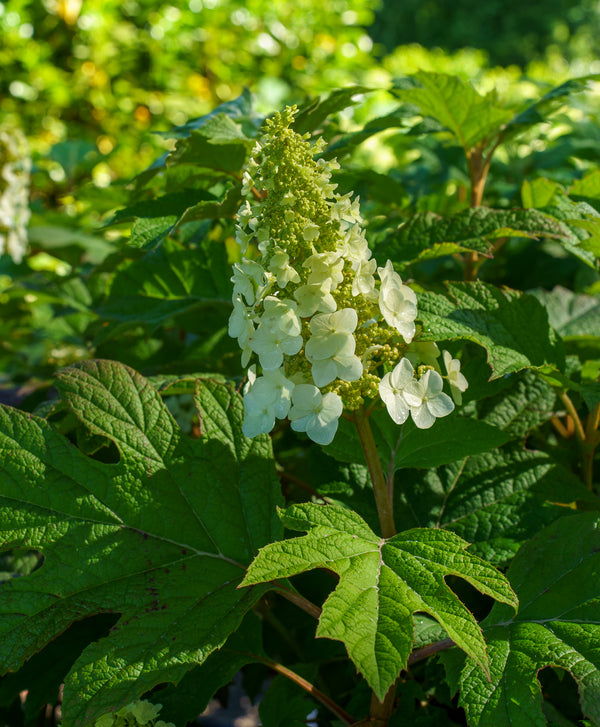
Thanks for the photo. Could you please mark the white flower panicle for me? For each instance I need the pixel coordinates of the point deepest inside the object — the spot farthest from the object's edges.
(15, 168)
(328, 328)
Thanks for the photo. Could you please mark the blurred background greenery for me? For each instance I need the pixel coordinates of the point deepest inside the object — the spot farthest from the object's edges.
(91, 81)
(95, 85)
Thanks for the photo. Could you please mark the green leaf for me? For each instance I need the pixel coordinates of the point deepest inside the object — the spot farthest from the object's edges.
(155, 219)
(583, 224)
(449, 439)
(285, 704)
(382, 583)
(528, 402)
(168, 281)
(587, 188)
(167, 206)
(540, 192)
(311, 115)
(213, 147)
(183, 703)
(427, 235)
(543, 107)
(591, 394)
(44, 672)
(239, 109)
(495, 500)
(144, 538)
(493, 318)
(227, 207)
(472, 118)
(146, 233)
(571, 314)
(558, 624)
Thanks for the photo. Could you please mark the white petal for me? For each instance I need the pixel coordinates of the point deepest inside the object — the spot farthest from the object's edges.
(441, 405)
(349, 368)
(422, 417)
(324, 371)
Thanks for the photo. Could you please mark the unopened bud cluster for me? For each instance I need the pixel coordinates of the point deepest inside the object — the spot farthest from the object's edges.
(323, 320)
(15, 167)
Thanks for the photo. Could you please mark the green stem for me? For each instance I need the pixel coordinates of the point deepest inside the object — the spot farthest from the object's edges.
(380, 712)
(382, 501)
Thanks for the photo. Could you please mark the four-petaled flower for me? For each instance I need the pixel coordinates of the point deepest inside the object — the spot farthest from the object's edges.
(315, 413)
(426, 399)
(391, 390)
(330, 349)
(267, 397)
(278, 333)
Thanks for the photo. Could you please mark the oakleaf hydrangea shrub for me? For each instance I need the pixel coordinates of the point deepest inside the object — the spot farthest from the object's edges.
(327, 329)
(15, 168)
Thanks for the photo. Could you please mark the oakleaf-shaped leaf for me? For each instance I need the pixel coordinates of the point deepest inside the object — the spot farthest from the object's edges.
(382, 583)
(162, 537)
(472, 118)
(557, 578)
(493, 317)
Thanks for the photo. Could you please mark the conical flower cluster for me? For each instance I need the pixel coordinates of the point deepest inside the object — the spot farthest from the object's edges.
(325, 325)
(15, 167)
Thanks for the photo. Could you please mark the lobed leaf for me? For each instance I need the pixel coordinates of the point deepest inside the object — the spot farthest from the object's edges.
(470, 117)
(382, 583)
(144, 538)
(558, 624)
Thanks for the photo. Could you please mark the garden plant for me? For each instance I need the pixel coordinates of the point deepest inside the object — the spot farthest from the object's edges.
(326, 423)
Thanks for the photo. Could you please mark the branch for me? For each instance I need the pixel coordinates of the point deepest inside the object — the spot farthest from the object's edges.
(312, 690)
(298, 600)
(430, 650)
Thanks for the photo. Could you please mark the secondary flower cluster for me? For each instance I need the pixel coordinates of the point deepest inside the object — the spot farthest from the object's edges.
(15, 167)
(323, 320)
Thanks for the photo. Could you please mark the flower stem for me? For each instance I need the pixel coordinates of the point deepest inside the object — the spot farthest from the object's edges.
(382, 501)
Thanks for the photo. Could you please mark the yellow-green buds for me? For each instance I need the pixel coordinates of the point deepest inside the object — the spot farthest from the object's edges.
(311, 305)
